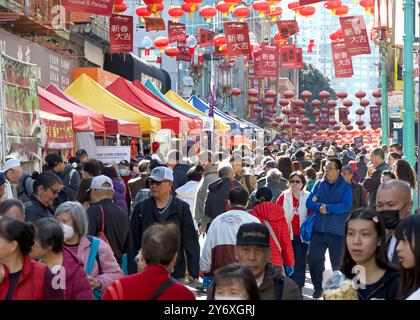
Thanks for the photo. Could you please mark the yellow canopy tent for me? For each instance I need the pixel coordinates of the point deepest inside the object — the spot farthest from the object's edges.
(93, 95)
(175, 98)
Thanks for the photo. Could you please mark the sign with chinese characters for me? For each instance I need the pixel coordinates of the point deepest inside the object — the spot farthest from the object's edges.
(101, 7)
(255, 83)
(343, 66)
(358, 142)
(176, 32)
(58, 133)
(355, 35)
(324, 116)
(287, 28)
(269, 65)
(184, 53)
(298, 59)
(120, 33)
(342, 114)
(237, 36)
(288, 55)
(206, 38)
(154, 24)
(375, 117)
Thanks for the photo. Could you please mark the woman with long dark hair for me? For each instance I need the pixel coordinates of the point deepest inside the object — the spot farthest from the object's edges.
(403, 171)
(408, 249)
(365, 259)
(285, 165)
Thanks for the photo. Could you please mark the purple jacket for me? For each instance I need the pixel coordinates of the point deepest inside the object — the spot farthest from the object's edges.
(120, 193)
(108, 269)
(77, 284)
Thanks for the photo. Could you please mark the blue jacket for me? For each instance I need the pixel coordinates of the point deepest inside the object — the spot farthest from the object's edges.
(338, 198)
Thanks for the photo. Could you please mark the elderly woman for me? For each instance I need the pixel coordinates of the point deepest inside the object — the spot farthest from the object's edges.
(100, 264)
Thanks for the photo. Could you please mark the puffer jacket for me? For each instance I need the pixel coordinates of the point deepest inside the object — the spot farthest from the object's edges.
(338, 198)
(274, 214)
(120, 193)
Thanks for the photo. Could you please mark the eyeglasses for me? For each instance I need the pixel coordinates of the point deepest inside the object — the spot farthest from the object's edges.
(54, 191)
(295, 181)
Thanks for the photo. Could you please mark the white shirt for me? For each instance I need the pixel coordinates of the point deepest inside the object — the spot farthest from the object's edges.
(415, 295)
(391, 248)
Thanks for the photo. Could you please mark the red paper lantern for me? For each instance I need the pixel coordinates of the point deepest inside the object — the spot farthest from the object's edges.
(288, 94)
(176, 12)
(274, 124)
(341, 132)
(161, 43)
(316, 103)
(172, 51)
(311, 126)
(270, 94)
(367, 3)
(324, 95)
(299, 103)
(306, 11)
(378, 102)
(286, 111)
(307, 133)
(341, 94)
(267, 102)
(377, 94)
(284, 133)
(316, 112)
(360, 123)
(331, 112)
(340, 34)
(360, 94)
(279, 119)
(332, 122)
(333, 36)
(347, 103)
(341, 11)
(301, 111)
(332, 103)
(306, 94)
(349, 127)
(275, 11)
(293, 5)
(306, 121)
(363, 127)
(208, 12)
(142, 11)
(194, 3)
(189, 8)
(252, 93)
(220, 40)
(118, 1)
(346, 122)
(235, 92)
(284, 102)
(364, 102)
(258, 109)
(298, 126)
(120, 8)
(332, 4)
(223, 8)
(286, 125)
(292, 120)
(336, 127)
(262, 7)
(360, 112)
(241, 12)
(154, 6)
(252, 100)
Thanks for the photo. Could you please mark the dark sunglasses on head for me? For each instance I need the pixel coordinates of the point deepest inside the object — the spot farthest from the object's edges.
(295, 181)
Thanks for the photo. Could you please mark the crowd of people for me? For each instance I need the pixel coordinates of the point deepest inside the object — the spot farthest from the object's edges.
(83, 230)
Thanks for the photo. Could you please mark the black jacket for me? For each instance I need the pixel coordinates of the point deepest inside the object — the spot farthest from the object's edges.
(180, 176)
(371, 183)
(35, 210)
(387, 289)
(217, 195)
(146, 214)
(359, 196)
(116, 228)
(71, 182)
(276, 190)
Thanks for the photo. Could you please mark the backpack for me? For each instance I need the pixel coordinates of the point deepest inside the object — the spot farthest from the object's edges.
(24, 190)
(117, 294)
(93, 255)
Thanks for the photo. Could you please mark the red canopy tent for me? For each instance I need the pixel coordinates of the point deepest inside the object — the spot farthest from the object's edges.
(112, 126)
(135, 97)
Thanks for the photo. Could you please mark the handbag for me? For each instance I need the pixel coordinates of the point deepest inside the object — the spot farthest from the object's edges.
(308, 225)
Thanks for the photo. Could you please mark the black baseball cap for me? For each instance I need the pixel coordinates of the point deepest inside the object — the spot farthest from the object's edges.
(253, 234)
(124, 163)
(81, 152)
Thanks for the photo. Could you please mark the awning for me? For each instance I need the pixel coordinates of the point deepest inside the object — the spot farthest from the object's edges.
(112, 126)
(170, 119)
(98, 98)
(56, 131)
(83, 120)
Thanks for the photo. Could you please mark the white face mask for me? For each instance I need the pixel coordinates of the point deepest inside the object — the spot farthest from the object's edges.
(68, 231)
(223, 297)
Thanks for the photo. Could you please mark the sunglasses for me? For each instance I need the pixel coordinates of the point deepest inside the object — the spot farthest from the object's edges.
(295, 181)
(158, 183)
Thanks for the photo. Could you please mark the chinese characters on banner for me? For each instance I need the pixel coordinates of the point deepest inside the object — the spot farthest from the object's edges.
(257, 63)
(101, 7)
(237, 36)
(375, 117)
(342, 114)
(324, 117)
(157, 24)
(298, 59)
(355, 35)
(176, 32)
(287, 28)
(120, 33)
(58, 133)
(288, 55)
(206, 38)
(343, 66)
(269, 66)
(255, 83)
(184, 53)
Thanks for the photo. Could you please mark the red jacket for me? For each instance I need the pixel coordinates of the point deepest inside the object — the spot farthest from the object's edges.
(274, 214)
(142, 286)
(35, 283)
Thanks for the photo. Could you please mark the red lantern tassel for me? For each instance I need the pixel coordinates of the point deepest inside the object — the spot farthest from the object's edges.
(201, 59)
(159, 60)
(147, 52)
(192, 51)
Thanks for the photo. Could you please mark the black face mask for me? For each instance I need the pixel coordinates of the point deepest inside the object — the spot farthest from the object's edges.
(391, 218)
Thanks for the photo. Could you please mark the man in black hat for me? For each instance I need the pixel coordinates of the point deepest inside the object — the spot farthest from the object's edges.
(82, 155)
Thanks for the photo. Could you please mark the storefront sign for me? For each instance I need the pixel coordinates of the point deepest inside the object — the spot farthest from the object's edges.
(355, 35)
(101, 7)
(237, 36)
(120, 33)
(111, 154)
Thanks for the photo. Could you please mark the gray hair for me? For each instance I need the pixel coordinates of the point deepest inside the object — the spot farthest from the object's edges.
(78, 214)
(274, 176)
(403, 186)
(379, 152)
(224, 169)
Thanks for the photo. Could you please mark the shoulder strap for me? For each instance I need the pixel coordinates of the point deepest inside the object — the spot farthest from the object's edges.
(279, 288)
(24, 185)
(270, 229)
(116, 294)
(72, 172)
(163, 288)
(94, 246)
(103, 219)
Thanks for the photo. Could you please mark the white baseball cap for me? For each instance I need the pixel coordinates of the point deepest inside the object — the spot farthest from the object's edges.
(10, 164)
(99, 181)
(161, 174)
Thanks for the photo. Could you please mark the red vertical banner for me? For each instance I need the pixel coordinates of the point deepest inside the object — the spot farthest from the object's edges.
(375, 117)
(355, 35)
(287, 28)
(206, 38)
(342, 114)
(288, 55)
(358, 142)
(257, 64)
(343, 66)
(298, 59)
(324, 116)
(120, 33)
(237, 36)
(176, 32)
(184, 53)
(255, 83)
(269, 60)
